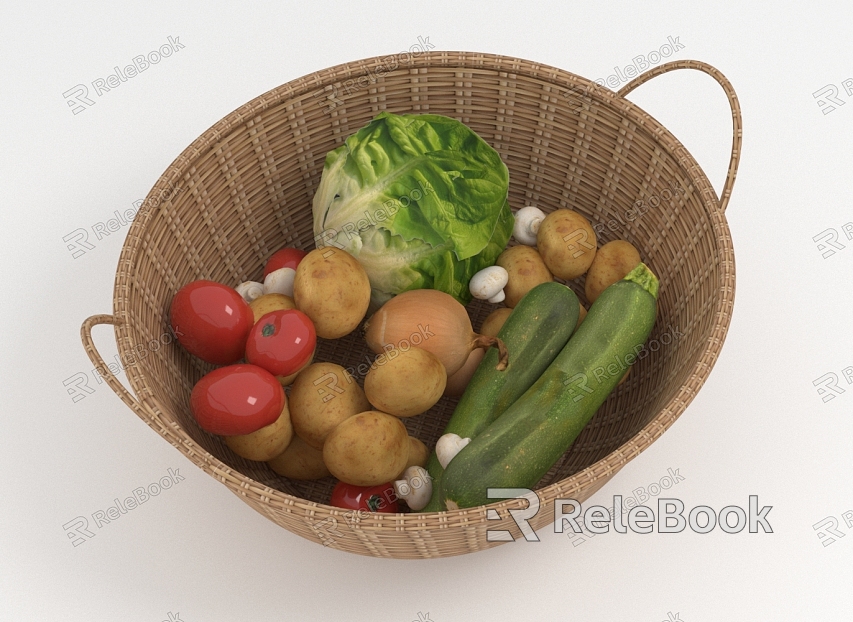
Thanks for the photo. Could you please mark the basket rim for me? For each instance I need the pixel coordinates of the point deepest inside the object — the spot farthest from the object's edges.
(315, 81)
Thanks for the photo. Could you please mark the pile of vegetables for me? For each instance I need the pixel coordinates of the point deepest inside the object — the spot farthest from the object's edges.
(411, 221)
(524, 441)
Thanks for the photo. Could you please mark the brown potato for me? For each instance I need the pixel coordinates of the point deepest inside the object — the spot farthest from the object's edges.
(567, 243)
(332, 289)
(494, 322)
(612, 262)
(323, 395)
(458, 382)
(300, 461)
(265, 443)
(418, 456)
(270, 302)
(526, 270)
(367, 449)
(405, 383)
(288, 380)
(418, 453)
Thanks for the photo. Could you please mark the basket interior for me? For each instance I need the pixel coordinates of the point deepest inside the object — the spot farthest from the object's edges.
(246, 190)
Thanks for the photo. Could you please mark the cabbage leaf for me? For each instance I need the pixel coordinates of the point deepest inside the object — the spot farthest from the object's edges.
(420, 200)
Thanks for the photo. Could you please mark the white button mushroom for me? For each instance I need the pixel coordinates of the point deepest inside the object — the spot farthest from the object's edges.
(280, 282)
(415, 488)
(448, 446)
(250, 290)
(527, 221)
(499, 297)
(488, 284)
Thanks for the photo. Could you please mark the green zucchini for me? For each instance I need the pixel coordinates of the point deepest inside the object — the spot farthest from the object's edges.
(520, 446)
(534, 333)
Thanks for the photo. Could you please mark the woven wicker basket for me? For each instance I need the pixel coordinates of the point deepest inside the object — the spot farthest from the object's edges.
(243, 190)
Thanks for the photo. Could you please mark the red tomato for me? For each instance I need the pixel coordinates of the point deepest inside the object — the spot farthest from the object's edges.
(212, 321)
(282, 342)
(285, 258)
(380, 498)
(237, 399)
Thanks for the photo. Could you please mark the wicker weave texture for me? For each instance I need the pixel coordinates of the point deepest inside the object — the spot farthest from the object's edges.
(244, 188)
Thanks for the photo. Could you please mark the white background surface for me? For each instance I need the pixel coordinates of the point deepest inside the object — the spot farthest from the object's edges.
(757, 427)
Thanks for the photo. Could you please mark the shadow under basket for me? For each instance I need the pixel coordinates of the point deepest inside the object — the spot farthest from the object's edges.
(244, 189)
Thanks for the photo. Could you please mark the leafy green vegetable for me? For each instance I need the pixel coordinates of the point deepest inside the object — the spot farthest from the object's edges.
(420, 200)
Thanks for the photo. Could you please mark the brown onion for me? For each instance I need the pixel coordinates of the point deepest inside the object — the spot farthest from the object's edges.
(458, 382)
(434, 321)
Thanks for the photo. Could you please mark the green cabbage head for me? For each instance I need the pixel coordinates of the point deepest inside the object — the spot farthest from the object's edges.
(419, 199)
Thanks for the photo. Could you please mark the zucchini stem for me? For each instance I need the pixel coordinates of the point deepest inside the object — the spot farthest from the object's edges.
(483, 341)
(645, 278)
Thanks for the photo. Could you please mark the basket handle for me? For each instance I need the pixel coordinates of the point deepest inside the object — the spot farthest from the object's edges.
(101, 366)
(737, 122)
